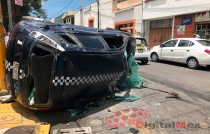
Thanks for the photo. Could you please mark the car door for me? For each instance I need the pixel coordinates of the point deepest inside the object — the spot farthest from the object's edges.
(167, 49)
(182, 50)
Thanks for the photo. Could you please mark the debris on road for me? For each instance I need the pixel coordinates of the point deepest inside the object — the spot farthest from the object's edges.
(81, 108)
(128, 99)
(172, 94)
(81, 130)
(132, 78)
(134, 131)
(6, 98)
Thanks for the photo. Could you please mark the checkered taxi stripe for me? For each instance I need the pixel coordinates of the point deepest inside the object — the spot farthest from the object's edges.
(8, 65)
(85, 79)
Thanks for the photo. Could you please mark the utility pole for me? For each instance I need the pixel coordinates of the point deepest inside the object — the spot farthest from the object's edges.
(2, 53)
(81, 14)
(10, 15)
(98, 12)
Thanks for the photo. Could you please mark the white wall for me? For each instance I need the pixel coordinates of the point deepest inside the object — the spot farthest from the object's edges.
(106, 18)
(130, 14)
(124, 15)
(138, 17)
(164, 8)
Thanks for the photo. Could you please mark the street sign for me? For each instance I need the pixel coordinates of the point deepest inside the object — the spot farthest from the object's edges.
(19, 2)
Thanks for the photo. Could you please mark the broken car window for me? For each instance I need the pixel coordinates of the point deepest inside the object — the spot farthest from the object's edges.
(113, 42)
(90, 41)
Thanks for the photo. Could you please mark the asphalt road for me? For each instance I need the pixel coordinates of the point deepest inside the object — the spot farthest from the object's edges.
(194, 83)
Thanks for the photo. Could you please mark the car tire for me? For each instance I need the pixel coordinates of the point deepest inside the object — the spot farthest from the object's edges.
(154, 57)
(144, 62)
(192, 63)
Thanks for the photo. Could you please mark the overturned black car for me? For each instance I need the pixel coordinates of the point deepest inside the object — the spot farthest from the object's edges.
(49, 65)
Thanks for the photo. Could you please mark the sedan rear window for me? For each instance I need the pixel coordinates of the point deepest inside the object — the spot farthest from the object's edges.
(90, 41)
(204, 42)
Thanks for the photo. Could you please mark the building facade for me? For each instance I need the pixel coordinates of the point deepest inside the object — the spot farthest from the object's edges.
(90, 15)
(166, 19)
(128, 16)
(68, 17)
(118, 14)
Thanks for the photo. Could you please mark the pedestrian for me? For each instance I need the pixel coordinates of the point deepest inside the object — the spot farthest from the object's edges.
(6, 37)
(196, 36)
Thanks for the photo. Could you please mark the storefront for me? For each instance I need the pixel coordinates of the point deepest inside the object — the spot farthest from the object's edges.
(184, 26)
(202, 24)
(126, 25)
(160, 31)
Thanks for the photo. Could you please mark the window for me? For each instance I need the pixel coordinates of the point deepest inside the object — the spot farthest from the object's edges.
(113, 42)
(91, 22)
(161, 23)
(68, 40)
(204, 42)
(170, 43)
(90, 41)
(185, 43)
(118, 1)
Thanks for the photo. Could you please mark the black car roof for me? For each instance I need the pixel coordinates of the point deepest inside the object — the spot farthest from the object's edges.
(60, 27)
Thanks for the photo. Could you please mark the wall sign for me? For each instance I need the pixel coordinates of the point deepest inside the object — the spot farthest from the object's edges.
(187, 21)
(180, 30)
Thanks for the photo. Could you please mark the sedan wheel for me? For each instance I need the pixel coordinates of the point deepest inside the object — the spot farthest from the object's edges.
(154, 57)
(192, 63)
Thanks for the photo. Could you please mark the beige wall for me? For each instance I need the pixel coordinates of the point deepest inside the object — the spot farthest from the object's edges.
(128, 3)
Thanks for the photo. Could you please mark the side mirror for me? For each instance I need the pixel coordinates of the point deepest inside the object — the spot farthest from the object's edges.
(161, 45)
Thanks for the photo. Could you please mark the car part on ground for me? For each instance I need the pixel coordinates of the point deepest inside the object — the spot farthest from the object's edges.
(49, 65)
(172, 94)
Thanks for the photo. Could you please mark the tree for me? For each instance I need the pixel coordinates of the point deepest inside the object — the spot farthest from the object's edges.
(29, 8)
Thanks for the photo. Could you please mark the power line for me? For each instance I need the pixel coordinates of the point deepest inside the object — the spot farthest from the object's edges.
(63, 8)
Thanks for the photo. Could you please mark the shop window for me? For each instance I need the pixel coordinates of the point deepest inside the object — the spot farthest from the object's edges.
(159, 24)
(166, 23)
(153, 24)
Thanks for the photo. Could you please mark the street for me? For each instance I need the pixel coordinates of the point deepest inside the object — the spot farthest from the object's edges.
(161, 114)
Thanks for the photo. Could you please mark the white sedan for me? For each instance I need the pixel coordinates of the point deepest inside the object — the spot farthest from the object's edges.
(192, 51)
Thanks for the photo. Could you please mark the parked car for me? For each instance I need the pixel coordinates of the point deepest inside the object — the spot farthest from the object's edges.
(142, 50)
(192, 51)
(49, 65)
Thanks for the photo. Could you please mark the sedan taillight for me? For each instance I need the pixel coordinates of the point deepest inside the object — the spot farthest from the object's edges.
(207, 51)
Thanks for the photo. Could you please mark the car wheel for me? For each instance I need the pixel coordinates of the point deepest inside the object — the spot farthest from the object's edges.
(154, 57)
(193, 63)
(144, 61)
